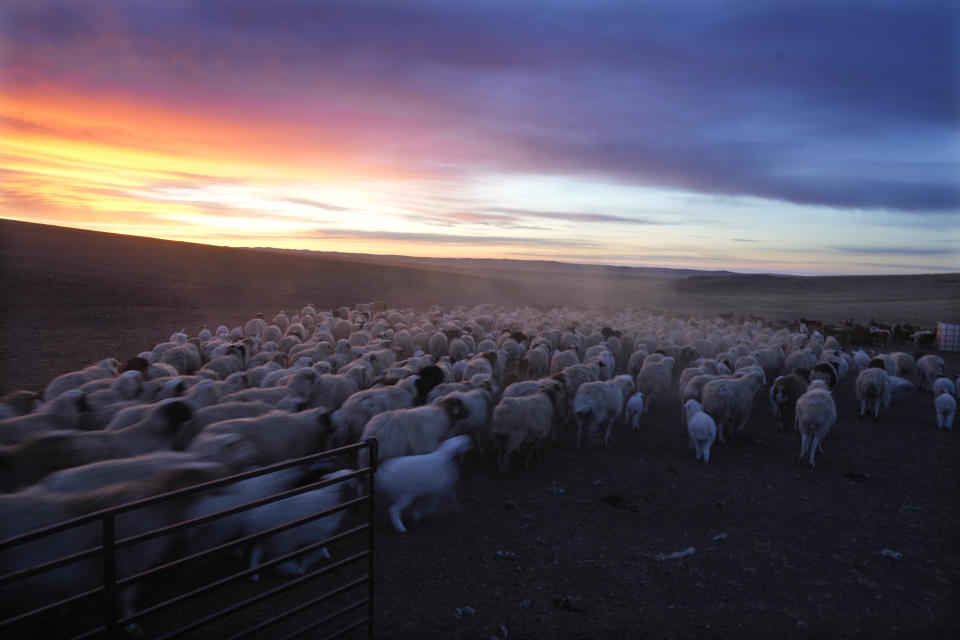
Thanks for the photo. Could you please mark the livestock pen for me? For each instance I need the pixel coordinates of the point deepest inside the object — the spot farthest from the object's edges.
(199, 591)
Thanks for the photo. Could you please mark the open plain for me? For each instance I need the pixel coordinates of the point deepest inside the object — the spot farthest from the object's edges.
(567, 548)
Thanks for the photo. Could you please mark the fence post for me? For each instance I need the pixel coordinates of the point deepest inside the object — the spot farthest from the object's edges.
(109, 530)
(372, 442)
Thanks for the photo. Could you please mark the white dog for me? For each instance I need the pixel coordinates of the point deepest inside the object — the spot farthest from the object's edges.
(429, 479)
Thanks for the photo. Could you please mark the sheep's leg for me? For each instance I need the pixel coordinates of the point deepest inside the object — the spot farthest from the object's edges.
(291, 568)
(256, 553)
(530, 452)
(395, 509)
(606, 436)
(476, 442)
(504, 461)
(706, 452)
(579, 430)
(311, 559)
(537, 450)
(804, 447)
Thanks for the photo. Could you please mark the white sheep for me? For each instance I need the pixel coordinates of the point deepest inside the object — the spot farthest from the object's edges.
(816, 413)
(599, 404)
(62, 412)
(701, 428)
(479, 409)
(405, 432)
(636, 407)
(276, 436)
(944, 385)
(93, 476)
(655, 379)
(299, 383)
(22, 512)
(426, 482)
(25, 463)
(563, 359)
(929, 368)
(357, 410)
(784, 393)
(280, 512)
(730, 401)
(106, 368)
(331, 391)
(873, 389)
(946, 407)
(524, 420)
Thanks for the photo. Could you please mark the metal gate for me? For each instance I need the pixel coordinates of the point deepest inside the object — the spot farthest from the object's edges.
(97, 610)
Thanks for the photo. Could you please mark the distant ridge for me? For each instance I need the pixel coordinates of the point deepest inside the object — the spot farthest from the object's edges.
(507, 264)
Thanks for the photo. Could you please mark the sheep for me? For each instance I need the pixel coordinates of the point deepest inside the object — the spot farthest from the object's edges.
(802, 359)
(524, 420)
(106, 402)
(299, 383)
(351, 418)
(478, 404)
(784, 393)
(23, 512)
(599, 404)
(302, 505)
(929, 368)
(884, 361)
(946, 407)
(62, 412)
(106, 368)
(635, 362)
(487, 362)
(701, 428)
(730, 401)
(655, 378)
(90, 477)
(537, 362)
(563, 359)
(873, 388)
(827, 373)
(906, 365)
(275, 436)
(185, 358)
(404, 432)
(19, 403)
(816, 413)
(255, 326)
(944, 385)
(27, 462)
(331, 391)
(232, 361)
(428, 478)
(860, 359)
(635, 408)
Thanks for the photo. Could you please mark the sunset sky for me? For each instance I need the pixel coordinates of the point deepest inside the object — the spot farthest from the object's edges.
(792, 137)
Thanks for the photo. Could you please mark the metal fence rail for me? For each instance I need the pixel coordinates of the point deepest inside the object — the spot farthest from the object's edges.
(112, 587)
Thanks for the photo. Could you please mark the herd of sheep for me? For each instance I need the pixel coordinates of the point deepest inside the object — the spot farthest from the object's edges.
(429, 386)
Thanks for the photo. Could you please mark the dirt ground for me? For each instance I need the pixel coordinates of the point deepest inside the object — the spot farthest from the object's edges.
(866, 545)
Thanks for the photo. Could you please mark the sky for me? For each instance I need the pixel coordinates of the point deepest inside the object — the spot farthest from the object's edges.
(803, 137)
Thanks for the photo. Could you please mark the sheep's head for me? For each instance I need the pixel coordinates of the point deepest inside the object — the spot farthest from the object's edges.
(454, 408)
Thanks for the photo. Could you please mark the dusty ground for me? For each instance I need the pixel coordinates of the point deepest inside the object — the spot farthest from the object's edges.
(567, 549)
